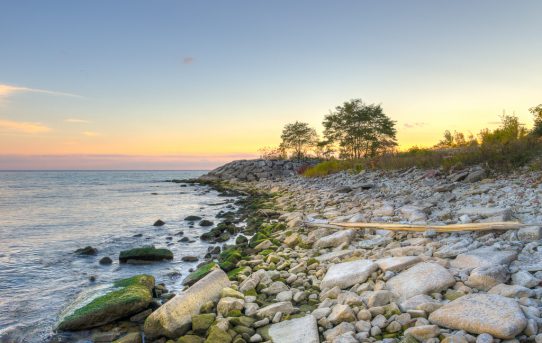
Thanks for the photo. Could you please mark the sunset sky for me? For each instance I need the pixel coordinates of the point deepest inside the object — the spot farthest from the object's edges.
(193, 84)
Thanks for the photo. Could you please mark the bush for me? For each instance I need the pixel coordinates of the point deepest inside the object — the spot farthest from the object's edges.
(333, 166)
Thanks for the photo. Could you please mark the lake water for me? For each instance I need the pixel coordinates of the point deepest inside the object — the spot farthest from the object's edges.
(45, 216)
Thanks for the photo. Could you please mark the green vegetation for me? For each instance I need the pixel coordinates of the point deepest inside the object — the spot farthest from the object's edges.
(298, 137)
(509, 146)
(360, 130)
(199, 273)
(147, 253)
(133, 295)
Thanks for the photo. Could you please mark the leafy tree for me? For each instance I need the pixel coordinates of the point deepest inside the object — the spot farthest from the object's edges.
(272, 153)
(510, 130)
(359, 129)
(537, 113)
(298, 137)
(457, 139)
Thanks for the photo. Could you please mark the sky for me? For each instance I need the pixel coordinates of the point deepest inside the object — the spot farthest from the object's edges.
(173, 84)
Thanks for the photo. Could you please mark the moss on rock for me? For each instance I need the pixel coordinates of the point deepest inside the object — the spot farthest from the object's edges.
(195, 276)
(147, 253)
(126, 297)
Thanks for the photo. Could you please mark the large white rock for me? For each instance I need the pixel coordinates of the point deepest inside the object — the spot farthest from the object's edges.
(334, 240)
(299, 330)
(348, 274)
(396, 264)
(174, 317)
(482, 257)
(423, 278)
(269, 311)
(482, 313)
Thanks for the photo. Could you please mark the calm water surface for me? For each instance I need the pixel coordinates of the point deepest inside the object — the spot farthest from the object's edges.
(45, 216)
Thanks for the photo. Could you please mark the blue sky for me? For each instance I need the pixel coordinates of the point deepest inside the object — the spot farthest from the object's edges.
(218, 79)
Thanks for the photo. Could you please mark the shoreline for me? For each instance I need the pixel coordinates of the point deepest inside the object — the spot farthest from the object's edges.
(374, 285)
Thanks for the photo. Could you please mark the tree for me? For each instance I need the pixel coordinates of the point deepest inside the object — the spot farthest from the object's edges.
(359, 129)
(298, 137)
(537, 113)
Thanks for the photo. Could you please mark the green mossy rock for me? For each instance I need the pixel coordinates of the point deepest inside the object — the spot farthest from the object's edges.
(195, 276)
(190, 339)
(105, 305)
(202, 322)
(243, 321)
(217, 335)
(148, 253)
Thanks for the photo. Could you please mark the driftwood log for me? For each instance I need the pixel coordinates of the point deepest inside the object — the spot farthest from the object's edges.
(421, 228)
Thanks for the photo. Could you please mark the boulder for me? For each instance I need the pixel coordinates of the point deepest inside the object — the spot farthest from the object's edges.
(105, 304)
(159, 222)
(484, 256)
(482, 313)
(530, 233)
(146, 253)
(423, 278)
(486, 212)
(174, 317)
(87, 251)
(484, 278)
(334, 240)
(347, 274)
(296, 330)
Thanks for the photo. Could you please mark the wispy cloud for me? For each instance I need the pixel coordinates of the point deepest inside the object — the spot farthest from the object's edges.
(76, 121)
(9, 90)
(414, 125)
(188, 60)
(90, 133)
(7, 125)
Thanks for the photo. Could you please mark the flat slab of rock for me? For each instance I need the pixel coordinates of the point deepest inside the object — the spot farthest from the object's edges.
(482, 257)
(423, 278)
(486, 212)
(482, 313)
(174, 318)
(396, 264)
(269, 311)
(348, 274)
(334, 240)
(295, 331)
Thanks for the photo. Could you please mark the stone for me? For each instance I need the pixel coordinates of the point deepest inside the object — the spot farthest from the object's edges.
(218, 335)
(106, 260)
(159, 222)
(189, 258)
(192, 218)
(511, 291)
(341, 313)
(334, 240)
(206, 222)
(174, 317)
(384, 211)
(296, 330)
(397, 264)
(347, 274)
(482, 313)
(146, 253)
(484, 338)
(379, 298)
(202, 322)
(525, 279)
(530, 233)
(476, 175)
(345, 338)
(132, 337)
(481, 257)
(269, 311)
(292, 240)
(104, 304)
(423, 332)
(484, 278)
(232, 293)
(423, 278)
(86, 251)
(338, 330)
(275, 288)
(225, 305)
(335, 254)
(486, 212)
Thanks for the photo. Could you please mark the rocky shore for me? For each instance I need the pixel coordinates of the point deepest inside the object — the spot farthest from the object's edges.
(293, 277)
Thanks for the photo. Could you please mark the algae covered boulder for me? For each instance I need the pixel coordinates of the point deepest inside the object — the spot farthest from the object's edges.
(105, 304)
(199, 273)
(146, 253)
